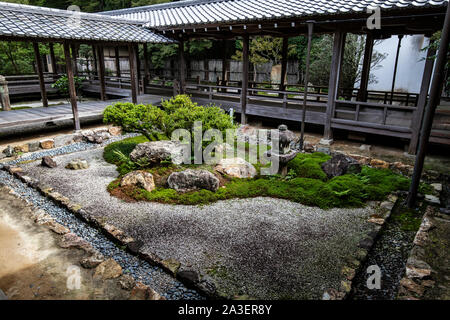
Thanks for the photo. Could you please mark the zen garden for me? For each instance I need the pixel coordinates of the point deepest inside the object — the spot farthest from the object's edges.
(225, 149)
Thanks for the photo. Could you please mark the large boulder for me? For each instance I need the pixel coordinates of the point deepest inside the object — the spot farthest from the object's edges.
(236, 167)
(339, 165)
(189, 180)
(141, 179)
(157, 151)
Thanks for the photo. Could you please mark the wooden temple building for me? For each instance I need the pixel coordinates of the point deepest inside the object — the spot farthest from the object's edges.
(389, 114)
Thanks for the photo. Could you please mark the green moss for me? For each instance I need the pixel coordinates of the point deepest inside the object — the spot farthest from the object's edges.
(309, 165)
(408, 219)
(306, 184)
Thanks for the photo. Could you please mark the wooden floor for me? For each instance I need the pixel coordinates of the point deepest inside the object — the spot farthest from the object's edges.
(89, 109)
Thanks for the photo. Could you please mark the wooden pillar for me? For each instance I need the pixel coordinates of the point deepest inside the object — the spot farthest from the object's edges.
(206, 69)
(117, 57)
(433, 101)
(284, 52)
(101, 72)
(74, 59)
(224, 62)
(422, 100)
(138, 67)
(146, 66)
(40, 71)
(182, 66)
(72, 90)
(94, 56)
(133, 72)
(53, 61)
(245, 62)
(305, 93)
(365, 72)
(400, 37)
(336, 61)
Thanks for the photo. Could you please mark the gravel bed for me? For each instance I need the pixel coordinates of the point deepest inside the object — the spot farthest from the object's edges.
(390, 252)
(141, 270)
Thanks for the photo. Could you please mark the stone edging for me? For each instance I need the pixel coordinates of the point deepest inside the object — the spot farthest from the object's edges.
(188, 277)
(378, 218)
(417, 272)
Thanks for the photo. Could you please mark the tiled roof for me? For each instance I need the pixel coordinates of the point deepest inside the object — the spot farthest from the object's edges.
(37, 22)
(198, 12)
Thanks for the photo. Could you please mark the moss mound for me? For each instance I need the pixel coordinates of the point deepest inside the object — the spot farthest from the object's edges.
(306, 182)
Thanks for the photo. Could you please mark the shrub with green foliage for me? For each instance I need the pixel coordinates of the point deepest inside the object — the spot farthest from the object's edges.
(178, 112)
(62, 84)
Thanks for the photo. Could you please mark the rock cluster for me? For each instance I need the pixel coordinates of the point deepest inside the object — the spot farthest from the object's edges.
(189, 180)
(96, 136)
(48, 162)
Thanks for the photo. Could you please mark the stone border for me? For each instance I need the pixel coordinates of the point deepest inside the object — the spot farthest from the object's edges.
(417, 272)
(383, 210)
(105, 269)
(186, 276)
(95, 136)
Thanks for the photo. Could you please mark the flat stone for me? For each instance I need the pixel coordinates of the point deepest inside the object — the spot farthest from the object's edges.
(108, 269)
(47, 144)
(115, 131)
(66, 139)
(56, 227)
(432, 199)
(413, 272)
(77, 164)
(437, 187)
(189, 180)
(33, 146)
(379, 221)
(143, 292)
(140, 179)
(411, 286)
(92, 261)
(326, 142)
(48, 162)
(377, 163)
(236, 167)
(23, 148)
(127, 282)
(189, 277)
(339, 165)
(71, 240)
(157, 151)
(172, 265)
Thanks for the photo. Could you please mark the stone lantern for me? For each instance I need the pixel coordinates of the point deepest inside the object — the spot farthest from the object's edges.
(285, 153)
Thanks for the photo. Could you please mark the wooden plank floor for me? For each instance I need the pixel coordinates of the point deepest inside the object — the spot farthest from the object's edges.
(86, 109)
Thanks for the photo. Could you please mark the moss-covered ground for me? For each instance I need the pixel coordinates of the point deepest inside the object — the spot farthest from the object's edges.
(305, 183)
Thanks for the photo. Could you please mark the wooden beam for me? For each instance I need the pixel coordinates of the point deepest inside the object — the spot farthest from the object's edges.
(101, 72)
(365, 72)
(182, 66)
(336, 60)
(245, 63)
(40, 71)
(74, 58)
(117, 60)
(421, 102)
(72, 90)
(146, 66)
(53, 61)
(284, 52)
(133, 72)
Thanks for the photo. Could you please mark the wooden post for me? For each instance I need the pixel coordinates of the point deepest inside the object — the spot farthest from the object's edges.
(74, 59)
(133, 72)
(40, 71)
(4, 94)
(182, 66)
(117, 57)
(400, 37)
(284, 52)
(146, 67)
(433, 101)
(336, 60)
(53, 61)
(422, 100)
(94, 55)
(245, 62)
(305, 93)
(138, 67)
(101, 72)
(72, 90)
(365, 72)
(206, 69)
